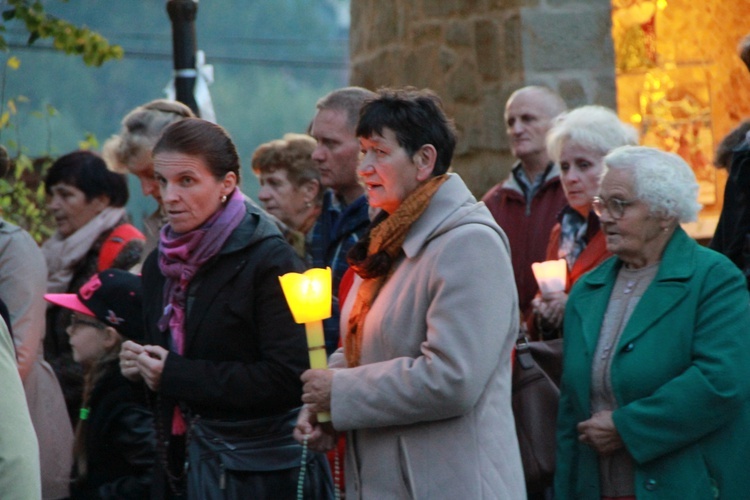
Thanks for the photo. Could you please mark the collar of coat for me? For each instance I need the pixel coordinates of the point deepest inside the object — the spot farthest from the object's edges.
(453, 205)
(551, 174)
(592, 292)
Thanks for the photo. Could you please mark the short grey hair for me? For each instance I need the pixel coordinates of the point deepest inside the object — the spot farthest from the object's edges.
(347, 99)
(664, 181)
(594, 128)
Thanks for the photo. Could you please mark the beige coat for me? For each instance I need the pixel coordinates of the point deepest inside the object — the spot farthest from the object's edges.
(23, 280)
(429, 410)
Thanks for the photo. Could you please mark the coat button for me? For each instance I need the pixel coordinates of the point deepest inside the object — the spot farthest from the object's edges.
(629, 347)
(651, 485)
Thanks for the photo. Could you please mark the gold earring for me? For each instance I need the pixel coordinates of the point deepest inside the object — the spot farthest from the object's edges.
(224, 199)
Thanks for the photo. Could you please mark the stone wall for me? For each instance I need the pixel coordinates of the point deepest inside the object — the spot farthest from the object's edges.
(474, 53)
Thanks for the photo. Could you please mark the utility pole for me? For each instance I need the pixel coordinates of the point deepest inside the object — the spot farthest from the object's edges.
(182, 13)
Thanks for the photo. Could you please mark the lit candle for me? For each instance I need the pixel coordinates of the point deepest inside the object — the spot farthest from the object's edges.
(551, 275)
(309, 298)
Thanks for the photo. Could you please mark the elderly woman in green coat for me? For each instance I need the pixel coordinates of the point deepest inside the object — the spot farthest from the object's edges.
(654, 398)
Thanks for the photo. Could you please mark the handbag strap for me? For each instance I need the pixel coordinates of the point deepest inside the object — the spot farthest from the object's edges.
(523, 354)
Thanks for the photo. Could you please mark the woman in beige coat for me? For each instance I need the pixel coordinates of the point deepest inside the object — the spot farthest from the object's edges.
(23, 281)
(422, 385)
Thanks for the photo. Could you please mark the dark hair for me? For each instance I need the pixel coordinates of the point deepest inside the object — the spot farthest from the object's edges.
(196, 137)
(416, 117)
(87, 171)
(725, 150)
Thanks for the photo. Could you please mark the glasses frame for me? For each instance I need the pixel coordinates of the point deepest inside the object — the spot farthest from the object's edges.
(75, 321)
(614, 206)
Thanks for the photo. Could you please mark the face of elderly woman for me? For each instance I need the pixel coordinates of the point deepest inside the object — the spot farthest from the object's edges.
(282, 198)
(580, 173)
(70, 208)
(386, 171)
(189, 191)
(636, 236)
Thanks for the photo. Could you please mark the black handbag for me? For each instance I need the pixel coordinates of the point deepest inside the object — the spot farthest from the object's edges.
(256, 458)
(537, 369)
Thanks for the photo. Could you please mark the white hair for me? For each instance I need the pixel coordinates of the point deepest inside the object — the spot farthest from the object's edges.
(594, 128)
(664, 181)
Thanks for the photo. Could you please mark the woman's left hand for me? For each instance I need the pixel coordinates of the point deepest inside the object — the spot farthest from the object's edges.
(600, 433)
(552, 308)
(316, 391)
(151, 365)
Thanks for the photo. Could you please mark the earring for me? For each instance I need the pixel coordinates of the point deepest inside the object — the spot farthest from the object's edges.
(308, 204)
(224, 199)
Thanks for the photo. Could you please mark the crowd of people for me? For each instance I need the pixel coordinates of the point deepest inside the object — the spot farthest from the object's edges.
(166, 363)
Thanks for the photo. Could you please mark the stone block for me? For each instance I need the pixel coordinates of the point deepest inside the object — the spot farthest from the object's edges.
(440, 8)
(464, 117)
(430, 32)
(458, 34)
(561, 40)
(573, 92)
(492, 109)
(387, 25)
(487, 49)
(512, 4)
(420, 68)
(462, 83)
(447, 58)
(605, 92)
(512, 62)
(568, 3)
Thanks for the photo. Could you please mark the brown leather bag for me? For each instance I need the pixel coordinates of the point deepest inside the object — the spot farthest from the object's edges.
(537, 369)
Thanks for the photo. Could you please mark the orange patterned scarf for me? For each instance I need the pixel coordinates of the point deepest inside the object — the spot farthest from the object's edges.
(373, 258)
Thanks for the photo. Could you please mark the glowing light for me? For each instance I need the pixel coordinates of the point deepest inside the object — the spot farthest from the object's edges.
(308, 294)
(551, 275)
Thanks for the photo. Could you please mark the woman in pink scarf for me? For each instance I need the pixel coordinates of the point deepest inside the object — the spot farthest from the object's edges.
(222, 356)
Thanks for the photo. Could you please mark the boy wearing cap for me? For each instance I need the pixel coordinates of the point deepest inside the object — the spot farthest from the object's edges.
(114, 447)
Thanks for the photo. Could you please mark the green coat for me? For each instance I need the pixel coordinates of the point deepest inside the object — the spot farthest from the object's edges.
(680, 373)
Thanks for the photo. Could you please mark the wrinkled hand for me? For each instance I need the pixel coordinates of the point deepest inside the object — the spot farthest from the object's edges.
(150, 363)
(316, 391)
(600, 433)
(550, 309)
(320, 437)
(128, 355)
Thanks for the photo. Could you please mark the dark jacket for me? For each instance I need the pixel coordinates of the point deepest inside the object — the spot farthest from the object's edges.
(335, 232)
(243, 352)
(120, 443)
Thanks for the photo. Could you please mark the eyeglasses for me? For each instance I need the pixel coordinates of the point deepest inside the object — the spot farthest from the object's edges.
(77, 321)
(615, 206)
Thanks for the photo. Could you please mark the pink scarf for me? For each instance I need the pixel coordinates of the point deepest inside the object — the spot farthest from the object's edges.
(180, 258)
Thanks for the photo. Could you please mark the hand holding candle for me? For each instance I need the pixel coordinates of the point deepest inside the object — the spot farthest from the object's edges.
(309, 298)
(551, 276)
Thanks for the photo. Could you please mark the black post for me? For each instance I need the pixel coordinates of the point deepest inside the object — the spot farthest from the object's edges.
(182, 13)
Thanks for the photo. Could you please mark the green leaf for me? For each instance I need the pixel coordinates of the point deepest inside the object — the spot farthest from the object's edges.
(9, 14)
